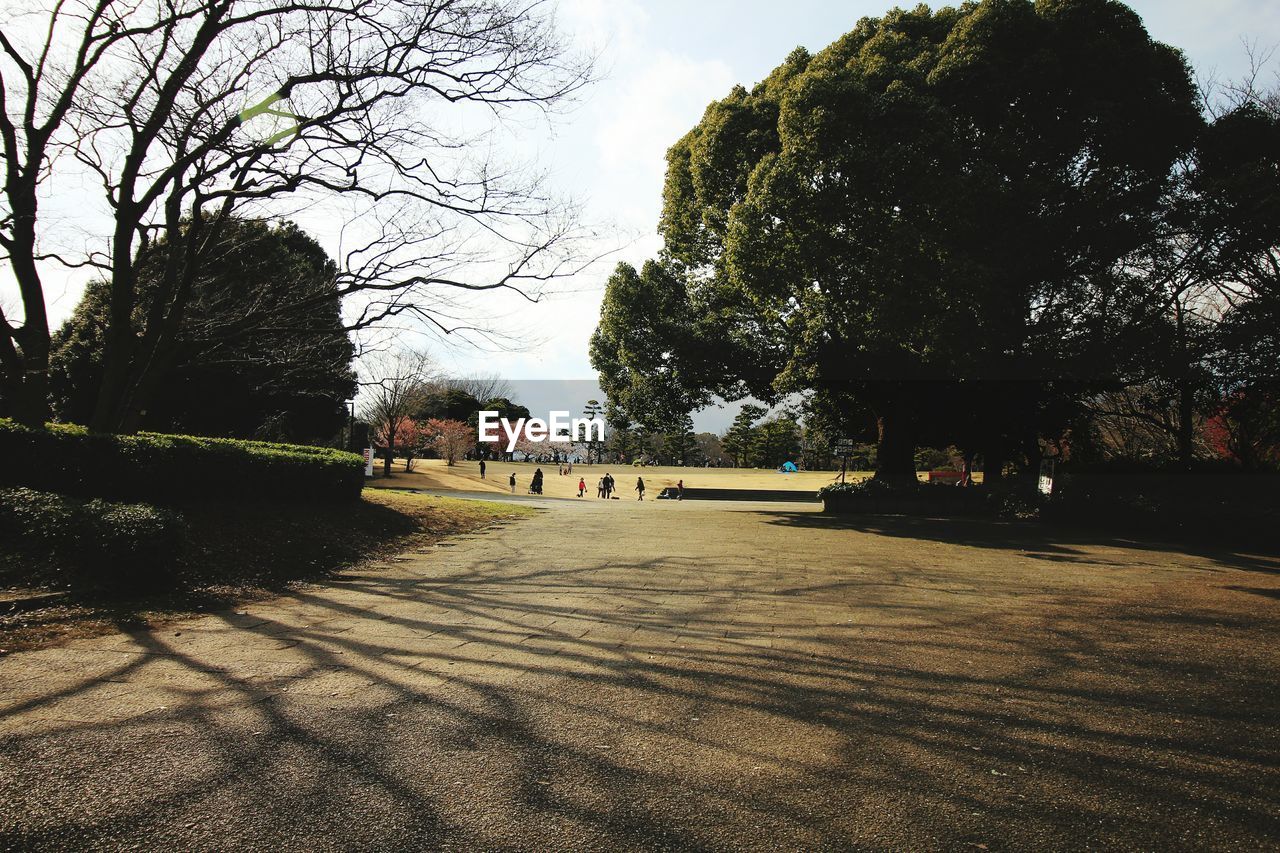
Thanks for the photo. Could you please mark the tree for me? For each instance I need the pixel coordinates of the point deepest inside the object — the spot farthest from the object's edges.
(738, 439)
(189, 114)
(592, 410)
(448, 403)
(710, 448)
(411, 440)
(285, 383)
(481, 387)
(450, 438)
(775, 441)
(1219, 222)
(393, 392)
(680, 442)
(922, 222)
(649, 347)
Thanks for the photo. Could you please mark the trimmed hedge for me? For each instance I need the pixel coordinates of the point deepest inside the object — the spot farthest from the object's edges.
(173, 469)
(112, 544)
(873, 497)
(1239, 509)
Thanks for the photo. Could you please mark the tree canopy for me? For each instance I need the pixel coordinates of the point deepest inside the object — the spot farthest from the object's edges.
(929, 226)
(237, 366)
(182, 116)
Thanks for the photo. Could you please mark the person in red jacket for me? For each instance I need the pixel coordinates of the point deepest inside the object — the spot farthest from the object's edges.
(582, 486)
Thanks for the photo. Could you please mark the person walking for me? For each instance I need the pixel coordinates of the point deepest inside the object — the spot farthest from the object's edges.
(582, 486)
(481, 469)
(640, 488)
(512, 481)
(600, 488)
(680, 490)
(536, 485)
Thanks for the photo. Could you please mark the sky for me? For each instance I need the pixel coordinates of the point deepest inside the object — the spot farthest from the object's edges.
(660, 63)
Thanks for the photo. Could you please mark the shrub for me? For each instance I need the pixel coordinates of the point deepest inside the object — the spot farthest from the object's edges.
(113, 545)
(868, 488)
(170, 469)
(1240, 509)
(876, 496)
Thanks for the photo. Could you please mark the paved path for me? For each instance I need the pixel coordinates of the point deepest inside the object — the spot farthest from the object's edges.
(612, 676)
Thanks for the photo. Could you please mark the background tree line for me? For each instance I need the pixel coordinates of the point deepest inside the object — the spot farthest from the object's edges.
(412, 412)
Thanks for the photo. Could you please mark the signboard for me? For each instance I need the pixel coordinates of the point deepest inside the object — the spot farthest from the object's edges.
(843, 446)
(368, 461)
(1046, 477)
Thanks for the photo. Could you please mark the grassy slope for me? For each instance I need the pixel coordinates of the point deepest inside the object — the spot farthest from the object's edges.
(237, 553)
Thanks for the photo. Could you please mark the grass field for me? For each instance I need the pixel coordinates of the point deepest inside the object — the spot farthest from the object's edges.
(465, 477)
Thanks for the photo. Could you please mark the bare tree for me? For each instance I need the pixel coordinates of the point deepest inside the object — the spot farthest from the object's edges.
(483, 387)
(396, 387)
(187, 112)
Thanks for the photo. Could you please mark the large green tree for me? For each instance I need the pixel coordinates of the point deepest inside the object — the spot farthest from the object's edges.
(922, 222)
(236, 365)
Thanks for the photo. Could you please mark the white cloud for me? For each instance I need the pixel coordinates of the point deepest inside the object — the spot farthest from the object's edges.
(604, 26)
(654, 107)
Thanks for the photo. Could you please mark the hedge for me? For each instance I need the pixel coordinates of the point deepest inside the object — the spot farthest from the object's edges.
(110, 544)
(1242, 510)
(173, 469)
(928, 499)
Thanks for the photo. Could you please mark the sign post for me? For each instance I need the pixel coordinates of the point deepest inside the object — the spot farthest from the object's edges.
(368, 461)
(844, 447)
(1046, 477)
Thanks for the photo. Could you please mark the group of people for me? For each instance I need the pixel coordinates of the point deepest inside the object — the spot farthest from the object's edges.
(605, 487)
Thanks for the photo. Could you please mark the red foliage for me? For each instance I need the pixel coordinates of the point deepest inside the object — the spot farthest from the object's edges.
(451, 439)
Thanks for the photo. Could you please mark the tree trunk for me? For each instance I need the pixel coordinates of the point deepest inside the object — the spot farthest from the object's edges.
(895, 448)
(391, 454)
(1186, 427)
(29, 395)
(28, 388)
(119, 342)
(1186, 398)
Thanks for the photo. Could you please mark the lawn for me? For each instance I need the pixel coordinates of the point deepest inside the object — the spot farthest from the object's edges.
(433, 474)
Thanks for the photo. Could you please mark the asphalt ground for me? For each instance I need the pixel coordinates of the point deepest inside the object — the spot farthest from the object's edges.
(614, 675)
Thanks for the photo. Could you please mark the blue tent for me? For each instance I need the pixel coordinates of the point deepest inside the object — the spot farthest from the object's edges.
(788, 468)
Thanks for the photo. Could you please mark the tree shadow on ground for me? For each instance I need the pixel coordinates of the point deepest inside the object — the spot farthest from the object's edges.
(669, 703)
(1039, 540)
